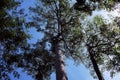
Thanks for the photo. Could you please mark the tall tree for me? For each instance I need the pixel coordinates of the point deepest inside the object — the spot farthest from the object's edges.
(89, 6)
(59, 26)
(100, 42)
(56, 19)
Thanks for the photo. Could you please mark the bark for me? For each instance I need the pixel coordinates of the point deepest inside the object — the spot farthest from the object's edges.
(95, 66)
(60, 66)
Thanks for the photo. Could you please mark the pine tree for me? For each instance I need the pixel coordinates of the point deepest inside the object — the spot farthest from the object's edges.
(101, 41)
(88, 7)
(57, 20)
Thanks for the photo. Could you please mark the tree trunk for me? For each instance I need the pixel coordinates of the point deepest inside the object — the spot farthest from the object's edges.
(96, 68)
(60, 66)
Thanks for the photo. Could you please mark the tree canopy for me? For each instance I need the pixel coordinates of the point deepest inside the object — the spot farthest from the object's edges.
(13, 37)
(103, 42)
(94, 43)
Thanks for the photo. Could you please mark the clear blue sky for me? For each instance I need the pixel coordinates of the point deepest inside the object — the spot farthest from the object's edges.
(79, 72)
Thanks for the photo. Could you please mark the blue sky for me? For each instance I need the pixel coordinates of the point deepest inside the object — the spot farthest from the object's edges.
(74, 72)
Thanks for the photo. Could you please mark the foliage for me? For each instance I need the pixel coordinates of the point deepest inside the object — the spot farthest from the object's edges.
(38, 62)
(13, 38)
(91, 5)
(62, 19)
(103, 41)
(55, 18)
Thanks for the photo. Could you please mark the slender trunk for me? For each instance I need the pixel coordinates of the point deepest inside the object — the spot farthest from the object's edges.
(96, 68)
(60, 66)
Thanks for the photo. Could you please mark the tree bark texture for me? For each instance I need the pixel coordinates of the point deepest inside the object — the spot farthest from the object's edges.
(60, 66)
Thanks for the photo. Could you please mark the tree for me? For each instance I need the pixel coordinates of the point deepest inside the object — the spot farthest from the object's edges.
(100, 42)
(17, 54)
(57, 20)
(89, 6)
(12, 39)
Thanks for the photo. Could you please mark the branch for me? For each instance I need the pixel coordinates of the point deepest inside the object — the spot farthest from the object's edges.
(70, 50)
